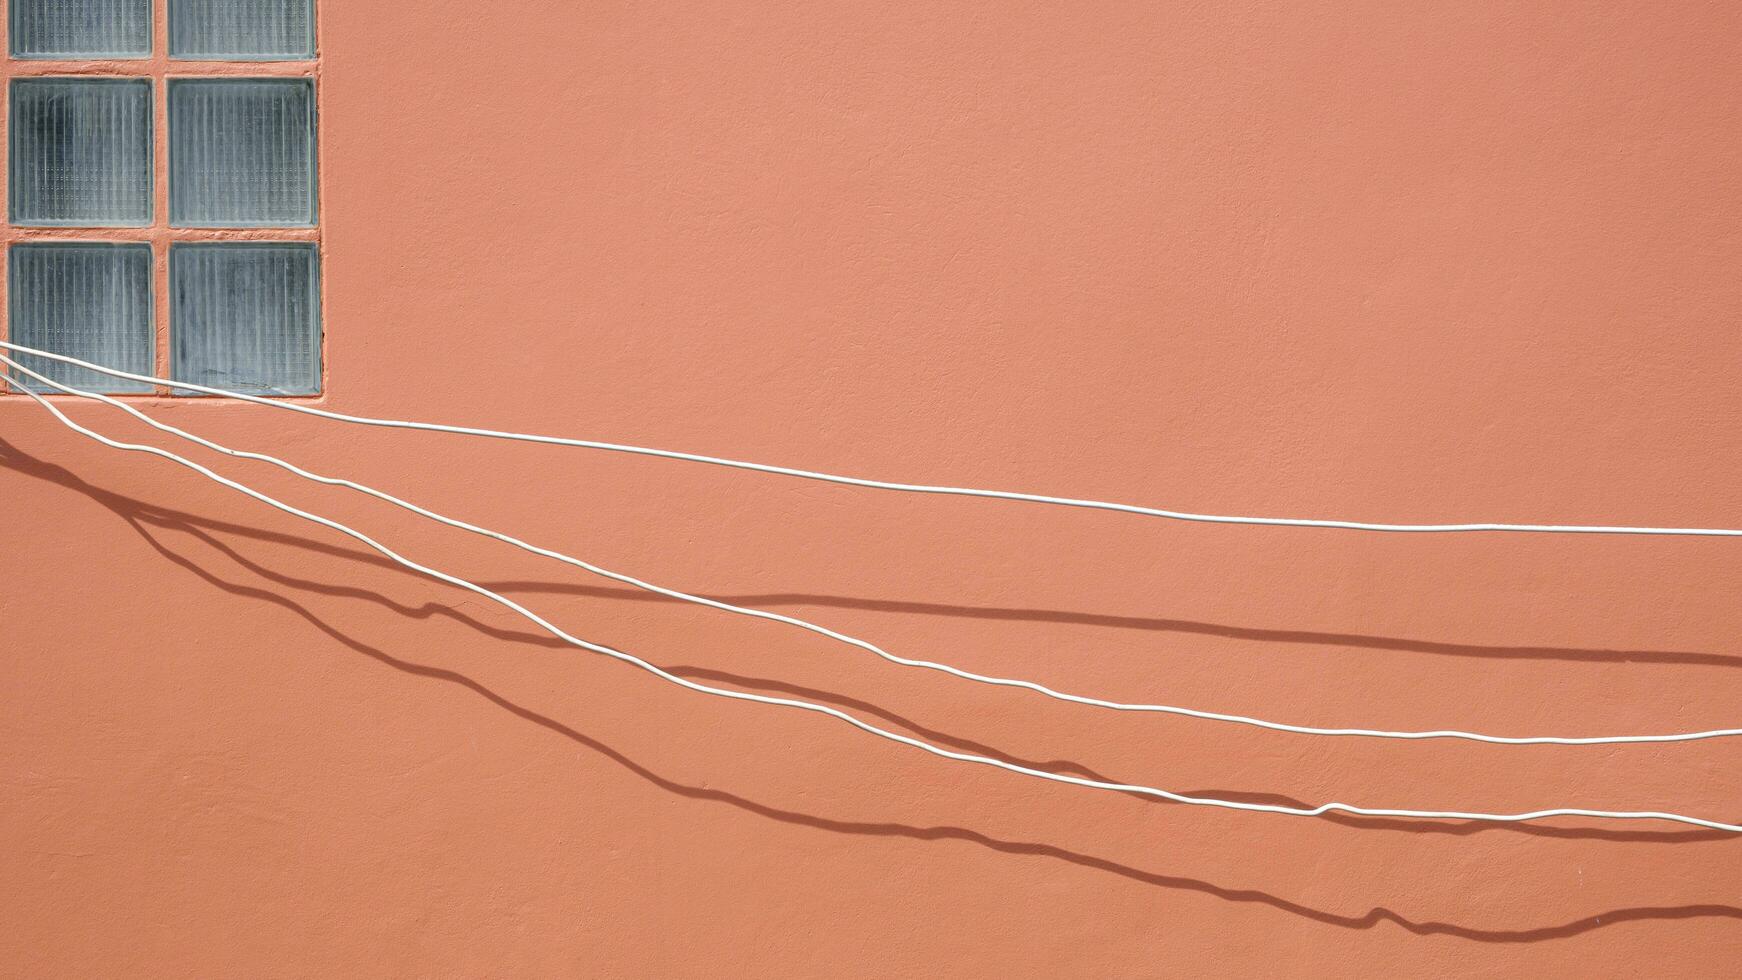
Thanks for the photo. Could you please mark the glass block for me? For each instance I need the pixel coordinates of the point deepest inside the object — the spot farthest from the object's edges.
(246, 316)
(242, 30)
(89, 301)
(81, 152)
(81, 28)
(241, 152)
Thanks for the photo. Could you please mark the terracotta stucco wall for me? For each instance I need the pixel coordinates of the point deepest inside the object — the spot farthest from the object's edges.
(1391, 262)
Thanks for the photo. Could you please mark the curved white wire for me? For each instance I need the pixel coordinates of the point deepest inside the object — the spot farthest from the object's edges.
(880, 484)
(864, 726)
(854, 641)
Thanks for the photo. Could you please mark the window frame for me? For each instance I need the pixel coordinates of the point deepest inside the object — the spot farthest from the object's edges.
(161, 69)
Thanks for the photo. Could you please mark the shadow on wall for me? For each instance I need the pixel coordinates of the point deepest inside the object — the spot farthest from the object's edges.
(150, 521)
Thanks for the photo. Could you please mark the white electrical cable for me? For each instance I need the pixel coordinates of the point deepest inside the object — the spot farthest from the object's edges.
(862, 644)
(867, 727)
(880, 484)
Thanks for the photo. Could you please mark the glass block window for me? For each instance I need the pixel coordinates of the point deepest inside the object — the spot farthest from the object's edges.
(89, 301)
(242, 152)
(246, 316)
(80, 28)
(242, 30)
(81, 151)
(221, 284)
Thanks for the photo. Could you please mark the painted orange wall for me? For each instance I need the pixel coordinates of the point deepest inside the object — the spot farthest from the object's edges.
(1470, 261)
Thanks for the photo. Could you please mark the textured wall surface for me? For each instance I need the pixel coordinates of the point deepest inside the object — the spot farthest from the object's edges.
(1359, 259)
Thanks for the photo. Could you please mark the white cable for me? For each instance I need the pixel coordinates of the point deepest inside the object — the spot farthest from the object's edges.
(862, 644)
(864, 726)
(879, 484)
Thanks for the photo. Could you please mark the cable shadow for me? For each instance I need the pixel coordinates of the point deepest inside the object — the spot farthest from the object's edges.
(29, 465)
(140, 515)
(151, 522)
(1161, 625)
